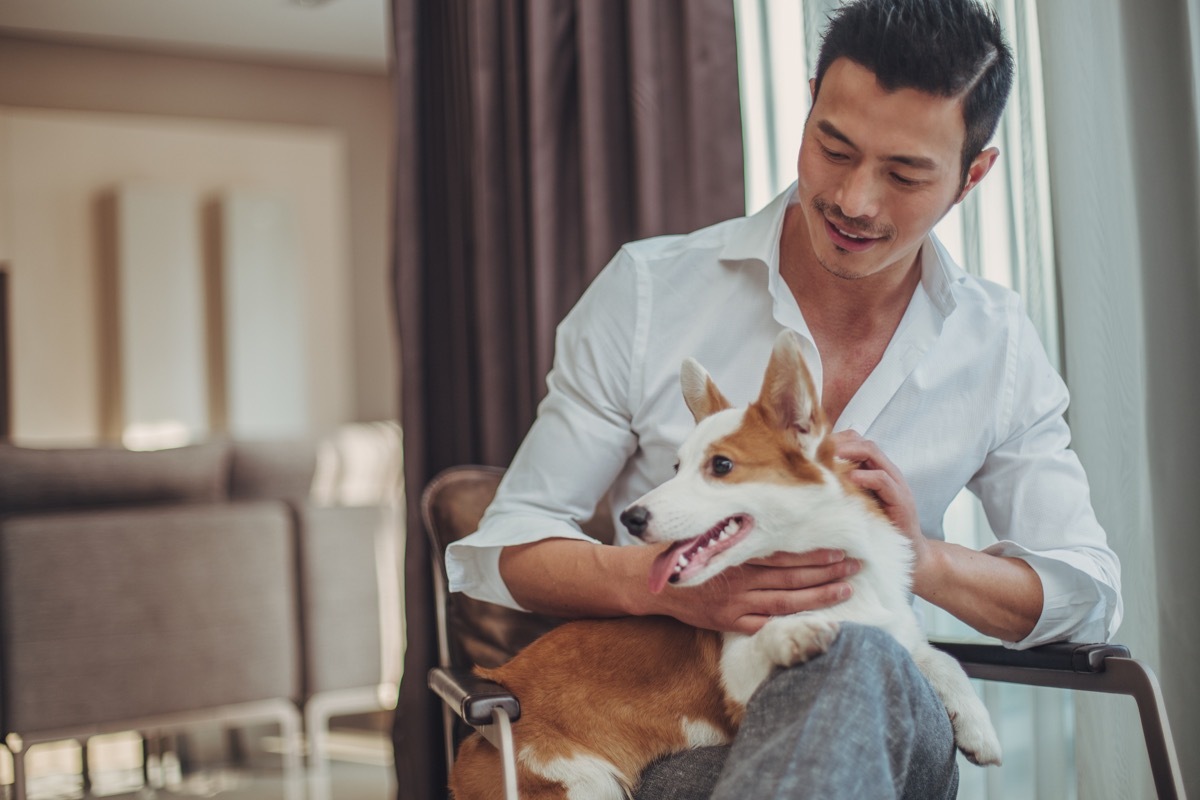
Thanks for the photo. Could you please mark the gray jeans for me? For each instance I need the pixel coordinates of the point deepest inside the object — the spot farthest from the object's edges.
(858, 721)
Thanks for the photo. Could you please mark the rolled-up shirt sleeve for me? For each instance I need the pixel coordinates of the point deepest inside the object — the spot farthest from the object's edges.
(1036, 496)
(579, 442)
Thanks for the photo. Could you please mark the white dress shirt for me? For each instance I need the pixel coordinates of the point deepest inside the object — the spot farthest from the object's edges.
(963, 396)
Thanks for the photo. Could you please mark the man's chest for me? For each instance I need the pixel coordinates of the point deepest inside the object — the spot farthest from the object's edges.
(846, 367)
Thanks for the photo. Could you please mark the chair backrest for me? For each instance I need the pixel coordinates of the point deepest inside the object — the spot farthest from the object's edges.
(471, 631)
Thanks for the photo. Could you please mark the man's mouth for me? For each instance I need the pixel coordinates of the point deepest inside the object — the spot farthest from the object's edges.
(849, 240)
(686, 558)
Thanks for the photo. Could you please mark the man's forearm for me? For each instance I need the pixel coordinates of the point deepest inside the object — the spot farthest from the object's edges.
(572, 578)
(997, 596)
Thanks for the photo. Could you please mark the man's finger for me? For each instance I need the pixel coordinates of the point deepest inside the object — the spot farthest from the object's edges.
(811, 558)
(750, 623)
(865, 452)
(781, 603)
(877, 481)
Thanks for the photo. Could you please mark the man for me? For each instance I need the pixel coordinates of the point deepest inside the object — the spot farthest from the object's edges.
(941, 372)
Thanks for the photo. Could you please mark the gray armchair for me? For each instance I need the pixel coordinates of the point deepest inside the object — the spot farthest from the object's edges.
(228, 583)
(472, 632)
(134, 595)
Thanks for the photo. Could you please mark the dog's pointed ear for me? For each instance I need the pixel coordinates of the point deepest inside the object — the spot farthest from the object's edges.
(702, 396)
(789, 397)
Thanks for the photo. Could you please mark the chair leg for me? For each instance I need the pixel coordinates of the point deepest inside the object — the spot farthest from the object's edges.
(1135, 679)
(16, 746)
(448, 719)
(293, 762)
(508, 752)
(499, 733)
(147, 756)
(85, 772)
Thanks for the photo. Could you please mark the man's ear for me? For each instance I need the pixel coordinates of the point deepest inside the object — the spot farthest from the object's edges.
(812, 88)
(981, 165)
(702, 396)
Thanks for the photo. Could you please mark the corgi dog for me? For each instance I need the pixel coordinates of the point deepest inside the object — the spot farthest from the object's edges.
(602, 699)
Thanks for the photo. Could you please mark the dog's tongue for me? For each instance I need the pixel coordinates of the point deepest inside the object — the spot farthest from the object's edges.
(664, 567)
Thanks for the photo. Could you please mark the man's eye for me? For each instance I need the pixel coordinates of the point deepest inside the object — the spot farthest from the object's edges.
(721, 465)
(903, 181)
(833, 155)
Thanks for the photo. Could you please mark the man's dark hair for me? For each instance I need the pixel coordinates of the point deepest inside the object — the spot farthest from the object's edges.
(944, 48)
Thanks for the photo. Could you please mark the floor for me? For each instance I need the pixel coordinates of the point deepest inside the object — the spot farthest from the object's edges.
(360, 768)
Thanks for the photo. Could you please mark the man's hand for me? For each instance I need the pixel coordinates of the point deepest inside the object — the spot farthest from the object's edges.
(881, 477)
(997, 596)
(570, 578)
(741, 599)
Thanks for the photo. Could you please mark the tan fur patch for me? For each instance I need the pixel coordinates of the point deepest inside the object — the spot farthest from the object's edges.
(656, 671)
(761, 453)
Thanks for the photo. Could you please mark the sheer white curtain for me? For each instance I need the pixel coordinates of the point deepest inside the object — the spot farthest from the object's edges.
(1002, 232)
(1193, 16)
(1125, 166)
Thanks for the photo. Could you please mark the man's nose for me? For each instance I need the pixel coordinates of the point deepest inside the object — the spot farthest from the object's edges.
(636, 519)
(858, 195)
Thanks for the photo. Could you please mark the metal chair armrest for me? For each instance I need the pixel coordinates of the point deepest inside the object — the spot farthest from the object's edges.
(1060, 657)
(471, 697)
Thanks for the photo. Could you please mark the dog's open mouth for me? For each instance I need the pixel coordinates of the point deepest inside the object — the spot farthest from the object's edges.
(686, 558)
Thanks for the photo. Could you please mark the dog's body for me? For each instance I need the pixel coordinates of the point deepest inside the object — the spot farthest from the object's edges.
(601, 699)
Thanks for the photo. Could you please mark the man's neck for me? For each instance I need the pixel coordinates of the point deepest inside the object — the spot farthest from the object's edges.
(843, 310)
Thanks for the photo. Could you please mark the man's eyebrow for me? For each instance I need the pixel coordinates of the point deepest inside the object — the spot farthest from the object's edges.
(916, 162)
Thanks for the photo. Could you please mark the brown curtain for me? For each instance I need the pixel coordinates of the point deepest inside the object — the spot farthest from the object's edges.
(534, 138)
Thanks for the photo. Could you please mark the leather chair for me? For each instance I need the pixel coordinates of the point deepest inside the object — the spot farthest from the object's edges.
(474, 632)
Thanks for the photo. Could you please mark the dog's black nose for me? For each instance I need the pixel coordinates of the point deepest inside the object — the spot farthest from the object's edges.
(635, 520)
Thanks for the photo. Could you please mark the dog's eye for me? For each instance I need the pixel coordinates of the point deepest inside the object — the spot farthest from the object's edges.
(721, 465)
(676, 467)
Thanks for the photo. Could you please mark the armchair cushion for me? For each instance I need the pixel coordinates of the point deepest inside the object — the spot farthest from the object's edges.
(272, 469)
(35, 480)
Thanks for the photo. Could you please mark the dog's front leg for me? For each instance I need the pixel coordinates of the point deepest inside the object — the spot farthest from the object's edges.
(973, 731)
(788, 641)
(747, 661)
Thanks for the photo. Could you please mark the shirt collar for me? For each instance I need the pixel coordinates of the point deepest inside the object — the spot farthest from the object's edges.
(939, 274)
(757, 239)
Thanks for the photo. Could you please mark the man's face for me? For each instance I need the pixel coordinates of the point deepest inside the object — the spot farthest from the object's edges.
(877, 170)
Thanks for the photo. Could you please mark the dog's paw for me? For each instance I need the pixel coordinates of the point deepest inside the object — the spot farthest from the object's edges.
(787, 641)
(975, 736)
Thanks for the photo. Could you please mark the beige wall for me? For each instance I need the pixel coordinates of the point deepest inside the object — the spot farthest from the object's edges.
(63, 166)
(5, 180)
(355, 107)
